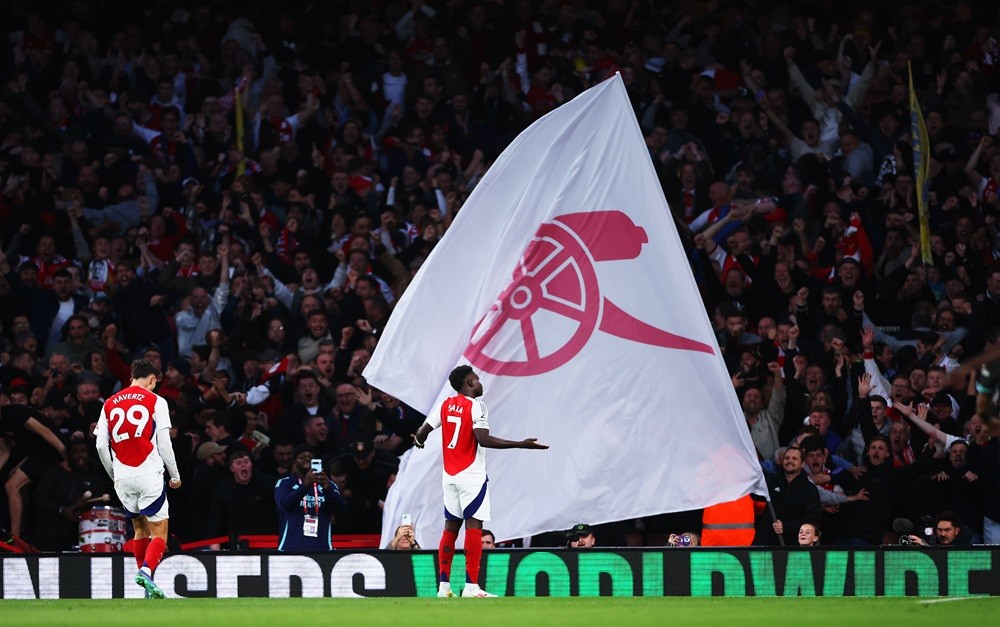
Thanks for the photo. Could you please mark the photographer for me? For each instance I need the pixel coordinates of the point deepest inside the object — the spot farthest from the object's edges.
(688, 538)
(946, 532)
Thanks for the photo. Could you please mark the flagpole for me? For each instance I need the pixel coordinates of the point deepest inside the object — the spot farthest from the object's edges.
(774, 519)
(921, 166)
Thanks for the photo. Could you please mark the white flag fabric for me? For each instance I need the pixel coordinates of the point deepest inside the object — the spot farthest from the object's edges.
(563, 283)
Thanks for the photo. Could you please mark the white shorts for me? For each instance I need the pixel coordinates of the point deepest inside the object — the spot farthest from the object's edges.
(467, 500)
(145, 495)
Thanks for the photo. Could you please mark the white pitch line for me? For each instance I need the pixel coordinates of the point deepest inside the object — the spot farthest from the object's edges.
(947, 600)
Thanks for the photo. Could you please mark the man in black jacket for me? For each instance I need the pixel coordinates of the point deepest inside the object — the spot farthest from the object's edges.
(795, 501)
(142, 307)
(865, 522)
(243, 503)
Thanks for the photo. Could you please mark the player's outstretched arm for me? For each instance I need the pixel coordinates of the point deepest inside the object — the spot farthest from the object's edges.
(490, 441)
(420, 437)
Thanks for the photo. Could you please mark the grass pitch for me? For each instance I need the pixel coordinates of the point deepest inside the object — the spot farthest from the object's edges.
(619, 612)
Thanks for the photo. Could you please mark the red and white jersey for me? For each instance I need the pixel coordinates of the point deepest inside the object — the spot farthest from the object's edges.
(464, 459)
(130, 422)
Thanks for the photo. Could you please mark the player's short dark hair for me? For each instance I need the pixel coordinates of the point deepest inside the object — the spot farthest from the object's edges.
(143, 368)
(458, 375)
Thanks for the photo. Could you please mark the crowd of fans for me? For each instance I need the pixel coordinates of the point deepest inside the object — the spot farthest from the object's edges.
(242, 192)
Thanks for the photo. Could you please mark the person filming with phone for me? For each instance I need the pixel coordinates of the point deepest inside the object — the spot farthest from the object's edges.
(306, 500)
(403, 540)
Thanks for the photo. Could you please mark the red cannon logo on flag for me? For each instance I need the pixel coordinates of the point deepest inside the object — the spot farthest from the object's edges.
(555, 286)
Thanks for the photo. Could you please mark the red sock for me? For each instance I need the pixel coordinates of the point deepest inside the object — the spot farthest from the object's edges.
(446, 551)
(154, 553)
(473, 554)
(138, 549)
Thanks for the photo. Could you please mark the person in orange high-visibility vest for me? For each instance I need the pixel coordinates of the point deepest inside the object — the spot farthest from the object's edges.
(729, 524)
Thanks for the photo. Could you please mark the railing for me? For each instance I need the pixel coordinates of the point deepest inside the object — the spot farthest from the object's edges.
(340, 541)
(256, 542)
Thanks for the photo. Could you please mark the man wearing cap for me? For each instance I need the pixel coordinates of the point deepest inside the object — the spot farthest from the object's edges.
(100, 310)
(306, 501)
(581, 536)
(465, 432)
(367, 481)
(943, 412)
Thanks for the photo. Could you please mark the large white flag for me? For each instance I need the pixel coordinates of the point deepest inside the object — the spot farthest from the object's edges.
(563, 283)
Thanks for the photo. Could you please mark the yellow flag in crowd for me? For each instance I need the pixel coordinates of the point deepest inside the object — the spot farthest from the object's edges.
(921, 166)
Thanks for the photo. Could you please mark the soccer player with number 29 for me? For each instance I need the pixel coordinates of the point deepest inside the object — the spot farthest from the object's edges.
(133, 441)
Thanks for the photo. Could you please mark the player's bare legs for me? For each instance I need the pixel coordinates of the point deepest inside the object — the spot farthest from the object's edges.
(17, 482)
(158, 529)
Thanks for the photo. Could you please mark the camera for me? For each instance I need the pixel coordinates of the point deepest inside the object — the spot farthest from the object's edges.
(684, 539)
(317, 465)
(928, 535)
(905, 540)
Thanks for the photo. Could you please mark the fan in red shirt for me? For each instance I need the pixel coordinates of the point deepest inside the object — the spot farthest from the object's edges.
(465, 432)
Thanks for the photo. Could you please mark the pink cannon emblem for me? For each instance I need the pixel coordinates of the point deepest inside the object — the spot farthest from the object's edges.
(556, 276)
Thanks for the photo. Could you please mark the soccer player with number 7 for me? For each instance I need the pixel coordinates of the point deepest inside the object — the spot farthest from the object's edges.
(133, 442)
(465, 432)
